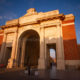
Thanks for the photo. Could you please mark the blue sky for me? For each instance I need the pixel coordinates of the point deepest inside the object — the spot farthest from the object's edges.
(53, 53)
(12, 9)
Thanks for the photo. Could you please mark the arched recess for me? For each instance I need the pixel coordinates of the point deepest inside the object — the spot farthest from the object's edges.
(28, 49)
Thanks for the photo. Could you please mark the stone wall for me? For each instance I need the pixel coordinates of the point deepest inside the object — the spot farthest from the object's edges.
(71, 54)
(69, 40)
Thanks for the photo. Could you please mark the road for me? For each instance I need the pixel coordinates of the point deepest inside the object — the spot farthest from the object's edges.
(41, 75)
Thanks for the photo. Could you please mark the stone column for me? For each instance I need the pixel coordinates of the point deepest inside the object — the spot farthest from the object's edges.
(12, 59)
(41, 63)
(60, 53)
(3, 48)
(23, 53)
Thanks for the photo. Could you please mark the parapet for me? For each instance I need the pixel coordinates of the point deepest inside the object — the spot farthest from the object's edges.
(33, 17)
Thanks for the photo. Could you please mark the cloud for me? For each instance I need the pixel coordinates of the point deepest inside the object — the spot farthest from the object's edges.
(7, 16)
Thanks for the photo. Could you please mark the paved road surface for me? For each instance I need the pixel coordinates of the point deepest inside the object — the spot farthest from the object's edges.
(41, 75)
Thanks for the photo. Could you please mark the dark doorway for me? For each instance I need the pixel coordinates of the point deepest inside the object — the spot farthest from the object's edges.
(8, 54)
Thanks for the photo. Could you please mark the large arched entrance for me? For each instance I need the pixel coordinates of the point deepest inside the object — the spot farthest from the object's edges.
(29, 49)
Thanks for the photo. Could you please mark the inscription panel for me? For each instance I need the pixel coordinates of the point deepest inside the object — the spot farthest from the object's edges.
(51, 34)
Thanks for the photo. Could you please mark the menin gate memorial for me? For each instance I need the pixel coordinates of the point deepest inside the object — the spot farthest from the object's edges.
(28, 40)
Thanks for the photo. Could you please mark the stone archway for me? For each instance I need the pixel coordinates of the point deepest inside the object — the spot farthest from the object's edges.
(29, 49)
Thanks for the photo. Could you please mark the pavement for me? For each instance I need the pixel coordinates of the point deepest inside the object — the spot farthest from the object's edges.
(51, 74)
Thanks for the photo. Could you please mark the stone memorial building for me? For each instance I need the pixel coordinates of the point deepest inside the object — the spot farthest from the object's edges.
(28, 40)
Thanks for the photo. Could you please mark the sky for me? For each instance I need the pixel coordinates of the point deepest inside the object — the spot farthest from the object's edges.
(13, 9)
(53, 53)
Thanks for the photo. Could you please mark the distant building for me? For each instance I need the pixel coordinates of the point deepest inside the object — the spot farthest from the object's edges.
(28, 40)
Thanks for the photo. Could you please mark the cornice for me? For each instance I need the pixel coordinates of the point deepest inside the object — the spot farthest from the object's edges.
(32, 17)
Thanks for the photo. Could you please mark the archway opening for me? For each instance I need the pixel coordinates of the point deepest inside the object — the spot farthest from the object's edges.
(31, 52)
(52, 58)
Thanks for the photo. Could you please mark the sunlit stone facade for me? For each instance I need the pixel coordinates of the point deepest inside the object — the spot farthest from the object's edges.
(27, 40)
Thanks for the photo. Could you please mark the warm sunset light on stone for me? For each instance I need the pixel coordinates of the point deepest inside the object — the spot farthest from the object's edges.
(28, 40)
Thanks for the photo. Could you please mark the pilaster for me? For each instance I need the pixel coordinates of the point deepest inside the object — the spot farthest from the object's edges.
(41, 63)
(11, 61)
(60, 53)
